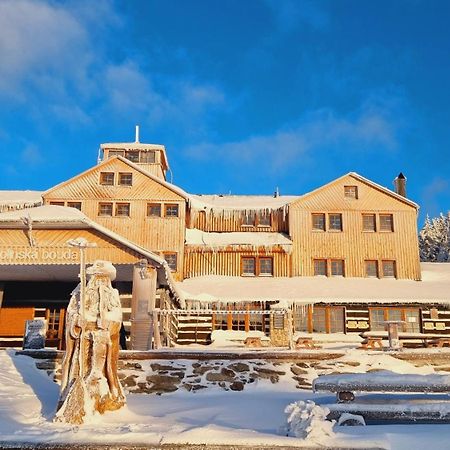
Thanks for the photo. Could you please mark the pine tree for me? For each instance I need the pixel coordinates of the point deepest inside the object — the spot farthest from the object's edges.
(434, 239)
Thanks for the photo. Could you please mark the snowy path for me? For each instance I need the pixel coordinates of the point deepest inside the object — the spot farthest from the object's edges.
(253, 417)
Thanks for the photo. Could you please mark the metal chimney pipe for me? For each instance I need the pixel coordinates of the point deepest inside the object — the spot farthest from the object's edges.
(137, 133)
(400, 184)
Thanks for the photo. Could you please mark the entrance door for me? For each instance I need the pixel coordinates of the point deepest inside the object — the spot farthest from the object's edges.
(55, 318)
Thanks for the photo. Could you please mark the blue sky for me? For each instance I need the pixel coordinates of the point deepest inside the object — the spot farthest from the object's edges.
(246, 95)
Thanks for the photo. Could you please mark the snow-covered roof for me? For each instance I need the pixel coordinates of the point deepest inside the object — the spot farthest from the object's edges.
(49, 215)
(45, 214)
(131, 146)
(222, 240)
(435, 286)
(240, 202)
(11, 200)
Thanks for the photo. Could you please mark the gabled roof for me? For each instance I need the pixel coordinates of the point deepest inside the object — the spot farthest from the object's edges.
(362, 180)
(164, 183)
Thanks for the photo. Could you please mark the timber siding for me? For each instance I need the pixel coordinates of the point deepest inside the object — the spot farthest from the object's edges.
(228, 263)
(352, 244)
(158, 234)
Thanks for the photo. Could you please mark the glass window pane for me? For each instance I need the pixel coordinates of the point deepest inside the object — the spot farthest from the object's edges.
(112, 153)
(76, 205)
(335, 222)
(122, 209)
(320, 267)
(351, 191)
(337, 320)
(386, 222)
(318, 222)
(377, 319)
(171, 259)
(388, 269)
(105, 209)
(265, 266)
(125, 179)
(107, 178)
(300, 316)
(412, 320)
(264, 219)
(319, 322)
(337, 268)
(132, 155)
(154, 210)
(371, 269)
(369, 222)
(248, 218)
(147, 157)
(248, 266)
(171, 210)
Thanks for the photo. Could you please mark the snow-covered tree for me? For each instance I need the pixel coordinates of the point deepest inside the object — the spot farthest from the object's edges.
(434, 239)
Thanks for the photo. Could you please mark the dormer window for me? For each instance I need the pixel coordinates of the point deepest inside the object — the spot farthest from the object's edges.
(107, 178)
(351, 192)
(132, 155)
(148, 157)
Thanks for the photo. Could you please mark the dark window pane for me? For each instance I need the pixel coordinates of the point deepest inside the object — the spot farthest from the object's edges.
(318, 222)
(386, 222)
(171, 211)
(320, 267)
(248, 266)
(265, 266)
(154, 210)
(369, 222)
(335, 222)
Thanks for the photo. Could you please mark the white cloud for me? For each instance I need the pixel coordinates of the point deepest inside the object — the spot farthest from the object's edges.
(320, 130)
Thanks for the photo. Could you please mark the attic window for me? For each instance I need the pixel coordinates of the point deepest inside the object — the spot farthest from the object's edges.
(125, 179)
(112, 153)
(132, 155)
(105, 209)
(148, 157)
(76, 205)
(107, 178)
(351, 192)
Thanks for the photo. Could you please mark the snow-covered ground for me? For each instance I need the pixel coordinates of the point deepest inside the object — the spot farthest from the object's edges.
(254, 416)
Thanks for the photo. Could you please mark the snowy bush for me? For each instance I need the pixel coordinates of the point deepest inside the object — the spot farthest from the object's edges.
(434, 239)
(306, 420)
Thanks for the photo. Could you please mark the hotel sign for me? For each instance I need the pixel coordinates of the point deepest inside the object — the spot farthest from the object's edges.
(38, 255)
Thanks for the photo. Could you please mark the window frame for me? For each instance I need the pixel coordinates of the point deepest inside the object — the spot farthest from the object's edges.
(342, 268)
(120, 205)
(56, 203)
(248, 274)
(374, 223)
(72, 205)
(103, 204)
(153, 205)
(313, 223)
(267, 216)
(316, 261)
(167, 207)
(331, 227)
(103, 175)
(391, 228)
(125, 174)
(260, 272)
(384, 263)
(377, 270)
(351, 189)
(249, 215)
(171, 254)
(257, 272)
(403, 311)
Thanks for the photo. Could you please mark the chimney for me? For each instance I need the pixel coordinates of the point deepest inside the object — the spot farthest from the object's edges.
(400, 184)
(137, 133)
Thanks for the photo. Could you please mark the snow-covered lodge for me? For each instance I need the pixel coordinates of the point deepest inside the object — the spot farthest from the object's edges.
(342, 258)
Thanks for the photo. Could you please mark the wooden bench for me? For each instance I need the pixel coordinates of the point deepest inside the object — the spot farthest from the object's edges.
(305, 342)
(346, 385)
(372, 343)
(253, 342)
(438, 342)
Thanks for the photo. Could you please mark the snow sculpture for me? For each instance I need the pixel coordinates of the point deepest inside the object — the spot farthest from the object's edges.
(89, 369)
(306, 420)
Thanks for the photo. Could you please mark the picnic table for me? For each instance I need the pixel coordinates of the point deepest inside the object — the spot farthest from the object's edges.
(305, 342)
(374, 339)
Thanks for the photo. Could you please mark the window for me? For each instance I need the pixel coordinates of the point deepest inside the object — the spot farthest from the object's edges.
(132, 155)
(369, 222)
(153, 210)
(105, 209)
(249, 219)
(337, 268)
(171, 210)
(125, 179)
(410, 317)
(122, 209)
(386, 222)
(335, 222)
(171, 259)
(371, 269)
(318, 222)
(351, 192)
(388, 269)
(264, 219)
(107, 178)
(147, 157)
(278, 321)
(249, 266)
(76, 205)
(116, 153)
(57, 203)
(265, 266)
(320, 267)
